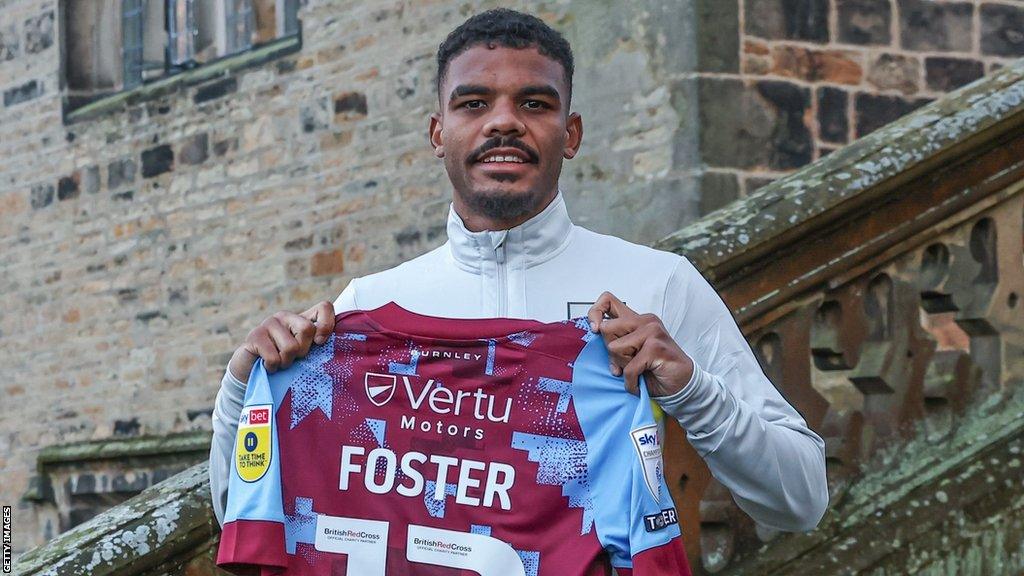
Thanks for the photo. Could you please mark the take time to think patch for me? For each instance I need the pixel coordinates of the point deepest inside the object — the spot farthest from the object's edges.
(252, 450)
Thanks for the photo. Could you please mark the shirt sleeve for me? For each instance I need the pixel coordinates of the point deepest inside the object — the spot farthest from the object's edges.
(226, 410)
(254, 533)
(754, 442)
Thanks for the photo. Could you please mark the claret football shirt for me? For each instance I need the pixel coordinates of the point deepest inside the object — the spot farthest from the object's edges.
(412, 444)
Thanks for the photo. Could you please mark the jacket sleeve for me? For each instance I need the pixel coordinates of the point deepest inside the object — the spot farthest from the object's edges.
(754, 442)
(226, 411)
(228, 407)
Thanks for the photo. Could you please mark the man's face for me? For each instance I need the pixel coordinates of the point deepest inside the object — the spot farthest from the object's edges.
(503, 130)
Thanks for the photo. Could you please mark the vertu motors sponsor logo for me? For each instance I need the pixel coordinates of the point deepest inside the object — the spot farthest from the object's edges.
(430, 394)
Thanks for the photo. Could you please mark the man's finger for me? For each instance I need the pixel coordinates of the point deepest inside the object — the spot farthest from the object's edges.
(606, 305)
(303, 330)
(286, 343)
(322, 316)
(612, 328)
(265, 348)
(632, 371)
(623, 348)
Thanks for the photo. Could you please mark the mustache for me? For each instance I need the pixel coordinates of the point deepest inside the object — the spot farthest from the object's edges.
(503, 142)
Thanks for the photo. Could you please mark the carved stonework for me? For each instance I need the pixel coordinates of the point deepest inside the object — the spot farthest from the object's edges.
(894, 325)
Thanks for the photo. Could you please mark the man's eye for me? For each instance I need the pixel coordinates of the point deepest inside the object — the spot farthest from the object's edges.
(473, 104)
(535, 104)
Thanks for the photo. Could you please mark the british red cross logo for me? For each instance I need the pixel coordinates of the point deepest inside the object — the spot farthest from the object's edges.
(379, 387)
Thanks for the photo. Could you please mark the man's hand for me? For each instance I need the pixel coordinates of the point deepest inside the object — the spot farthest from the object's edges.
(282, 338)
(639, 344)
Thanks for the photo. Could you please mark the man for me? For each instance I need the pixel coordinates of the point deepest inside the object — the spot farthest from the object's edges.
(503, 128)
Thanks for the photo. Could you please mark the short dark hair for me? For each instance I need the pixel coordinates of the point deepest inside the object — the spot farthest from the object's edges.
(510, 29)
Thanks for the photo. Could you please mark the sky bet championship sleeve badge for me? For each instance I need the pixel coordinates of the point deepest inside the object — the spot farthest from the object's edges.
(252, 449)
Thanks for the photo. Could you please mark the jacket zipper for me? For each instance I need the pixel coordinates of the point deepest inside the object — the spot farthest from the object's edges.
(499, 256)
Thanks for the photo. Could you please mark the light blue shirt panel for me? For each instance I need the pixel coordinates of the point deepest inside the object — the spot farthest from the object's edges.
(261, 499)
(607, 414)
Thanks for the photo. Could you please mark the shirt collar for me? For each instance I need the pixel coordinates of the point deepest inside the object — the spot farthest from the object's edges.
(532, 242)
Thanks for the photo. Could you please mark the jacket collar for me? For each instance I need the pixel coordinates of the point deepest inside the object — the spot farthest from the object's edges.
(532, 242)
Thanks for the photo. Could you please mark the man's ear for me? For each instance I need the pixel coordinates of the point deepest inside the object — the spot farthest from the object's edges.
(435, 134)
(574, 135)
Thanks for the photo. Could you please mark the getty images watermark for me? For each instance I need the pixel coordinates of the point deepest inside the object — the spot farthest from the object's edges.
(7, 540)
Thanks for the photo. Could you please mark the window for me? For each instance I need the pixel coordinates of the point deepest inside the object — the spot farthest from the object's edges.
(115, 45)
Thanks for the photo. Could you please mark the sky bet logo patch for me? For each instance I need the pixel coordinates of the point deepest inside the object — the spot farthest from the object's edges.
(252, 444)
(661, 520)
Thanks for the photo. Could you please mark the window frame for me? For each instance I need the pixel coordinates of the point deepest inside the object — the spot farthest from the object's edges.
(187, 72)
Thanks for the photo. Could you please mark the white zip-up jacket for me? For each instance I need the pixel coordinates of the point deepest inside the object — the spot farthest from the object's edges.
(549, 269)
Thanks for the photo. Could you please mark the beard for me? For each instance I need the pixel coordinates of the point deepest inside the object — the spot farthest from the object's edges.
(502, 205)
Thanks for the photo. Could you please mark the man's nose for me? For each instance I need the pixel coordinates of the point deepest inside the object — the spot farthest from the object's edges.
(504, 120)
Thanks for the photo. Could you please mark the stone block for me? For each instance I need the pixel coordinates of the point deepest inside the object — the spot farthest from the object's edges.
(1002, 29)
(946, 74)
(718, 36)
(791, 143)
(91, 179)
(929, 25)
(787, 19)
(23, 93)
(350, 105)
(157, 160)
(865, 21)
(757, 58)
(833, 115)
(41, 195)
(9, 45)
(743, 124)
(195, 150)
(120, 172)
(895, 72)
(39, 33)
(327, 263)
(67, 187)
(717, 189)
(874, 111)
(224, 146)
(812, 65)
(215, 90)
(315, 117)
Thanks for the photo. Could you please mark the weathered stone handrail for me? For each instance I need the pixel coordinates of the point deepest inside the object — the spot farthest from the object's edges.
(791, 259)
(164, 526)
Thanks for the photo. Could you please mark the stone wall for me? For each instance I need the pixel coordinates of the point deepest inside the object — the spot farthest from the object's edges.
(813, 75)
(142, 239)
